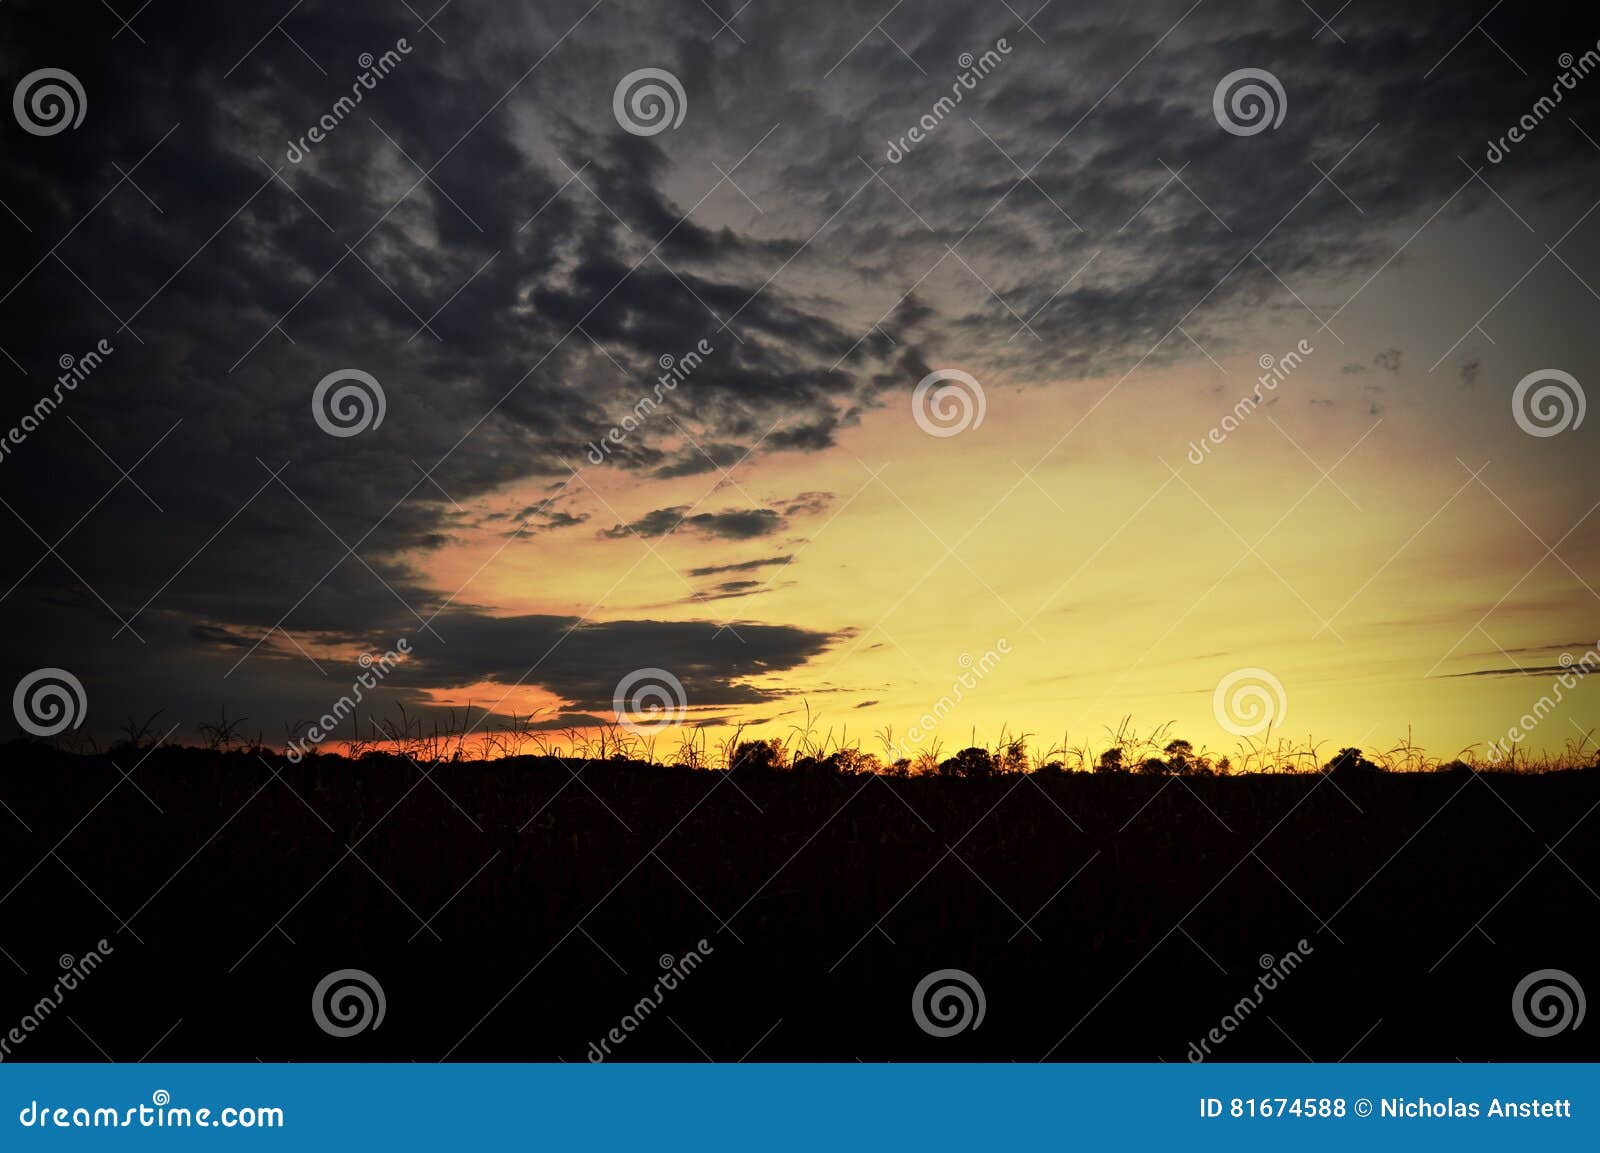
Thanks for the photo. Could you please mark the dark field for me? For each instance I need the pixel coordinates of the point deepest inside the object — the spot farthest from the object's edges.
(1424, 899)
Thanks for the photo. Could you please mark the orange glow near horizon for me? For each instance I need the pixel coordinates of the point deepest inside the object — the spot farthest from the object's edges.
(1127, 580)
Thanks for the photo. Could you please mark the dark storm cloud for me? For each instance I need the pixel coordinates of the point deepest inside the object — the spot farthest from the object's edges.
(701, 459)
(535, 519)
(583, 662)
(579, 662)
(737, 524)
(481, 237)
(812, 437)
(807, 504)
(740, 566)
(1537, 670)
(725, 591)
(734, 588)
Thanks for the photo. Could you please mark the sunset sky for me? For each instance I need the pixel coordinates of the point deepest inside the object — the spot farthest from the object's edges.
(1081, 234)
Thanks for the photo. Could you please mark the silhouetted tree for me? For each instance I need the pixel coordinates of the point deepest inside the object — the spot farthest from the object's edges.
(851, 761)
(970, 762)
(840, 762)
(1350, 762)
(1181, 759)
(1012, 756)
(1110, 762)
(759, 756)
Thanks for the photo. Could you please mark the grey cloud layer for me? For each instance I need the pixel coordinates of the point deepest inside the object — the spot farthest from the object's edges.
(517, 299)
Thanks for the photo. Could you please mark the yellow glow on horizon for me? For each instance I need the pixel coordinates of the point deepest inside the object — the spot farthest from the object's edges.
(1126, 579)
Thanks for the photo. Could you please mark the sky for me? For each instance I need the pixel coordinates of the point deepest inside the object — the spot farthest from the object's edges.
(1251, 350)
